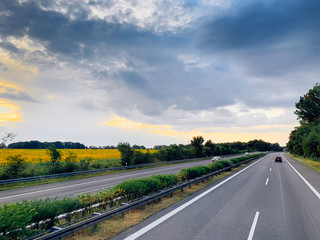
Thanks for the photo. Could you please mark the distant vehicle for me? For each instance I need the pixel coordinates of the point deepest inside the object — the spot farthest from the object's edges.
(278, 159)
(247, 154)
(215, 158)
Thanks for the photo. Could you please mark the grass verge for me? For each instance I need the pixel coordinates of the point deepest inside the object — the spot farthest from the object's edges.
(306, 161)
(116, 225)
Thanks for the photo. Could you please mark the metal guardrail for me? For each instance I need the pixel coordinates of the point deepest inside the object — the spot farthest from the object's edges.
(58, 232)
(9, 181)
(18, 180)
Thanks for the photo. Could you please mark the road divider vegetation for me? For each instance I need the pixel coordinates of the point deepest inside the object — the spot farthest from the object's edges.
(19, 220)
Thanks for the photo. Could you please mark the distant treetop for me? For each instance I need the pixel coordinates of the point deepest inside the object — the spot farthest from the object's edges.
(44, 145)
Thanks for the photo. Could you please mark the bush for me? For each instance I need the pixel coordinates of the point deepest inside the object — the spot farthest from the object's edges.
(226, 163)
(84, 164)
(215, 166)
(239, 159)
(141, 158)
(14, 219)
(139, 187)
(193, 172)
(15, 166)
(47, 209)
(166, 180)
(70, 163)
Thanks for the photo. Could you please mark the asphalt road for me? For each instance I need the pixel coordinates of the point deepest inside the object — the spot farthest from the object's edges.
(88, 185)
(267, 200)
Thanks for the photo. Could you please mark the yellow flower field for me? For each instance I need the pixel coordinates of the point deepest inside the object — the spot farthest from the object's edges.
(37, 155)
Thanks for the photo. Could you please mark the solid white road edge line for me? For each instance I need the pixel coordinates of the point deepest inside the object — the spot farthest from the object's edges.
(175, 211)
(267, 181)
(306, 182)
(253, 227)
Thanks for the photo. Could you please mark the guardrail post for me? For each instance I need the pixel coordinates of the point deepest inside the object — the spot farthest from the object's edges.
(122, 215)
(181, 189)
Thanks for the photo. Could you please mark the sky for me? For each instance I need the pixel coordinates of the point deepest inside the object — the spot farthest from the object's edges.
(155, 72)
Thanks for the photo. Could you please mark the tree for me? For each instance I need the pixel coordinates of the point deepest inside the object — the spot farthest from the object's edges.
(55, 157)
(126, 153)
(210, 148)
(6, 138)
(308, 107)
(197, 144)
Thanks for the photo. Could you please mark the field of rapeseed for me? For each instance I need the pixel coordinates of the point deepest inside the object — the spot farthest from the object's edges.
(41, 155)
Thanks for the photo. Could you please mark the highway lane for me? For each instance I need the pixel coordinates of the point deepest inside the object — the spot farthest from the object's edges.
(266, 201)
(88, 185)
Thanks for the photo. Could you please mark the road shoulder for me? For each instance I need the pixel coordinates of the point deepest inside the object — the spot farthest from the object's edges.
(309, 174)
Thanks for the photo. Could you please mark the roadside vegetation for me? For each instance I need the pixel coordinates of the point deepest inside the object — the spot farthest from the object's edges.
(304, 140)
(315, 165)
(54, 160)
(42, 214)
(116, 225)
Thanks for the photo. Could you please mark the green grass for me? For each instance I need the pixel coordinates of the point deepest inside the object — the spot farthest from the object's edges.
(306, 161)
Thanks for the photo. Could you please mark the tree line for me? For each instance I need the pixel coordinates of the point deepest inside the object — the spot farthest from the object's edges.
(304, 140)
(45, 145)
(196, 149)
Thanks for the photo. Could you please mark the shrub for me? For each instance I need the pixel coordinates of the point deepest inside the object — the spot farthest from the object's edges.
(139, 187)
(215, 166)
(193, 172)
(48, 210)
(70, 162)
(225, 163)
(84, 164)
(14, 219)
(15, 165)
(141, 158)
(166, 180)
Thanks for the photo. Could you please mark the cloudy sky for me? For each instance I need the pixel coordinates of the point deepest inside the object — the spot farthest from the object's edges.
(155, 72)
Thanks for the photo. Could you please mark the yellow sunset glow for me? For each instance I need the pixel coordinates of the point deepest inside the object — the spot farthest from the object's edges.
(9, 112)
(18, 68)
(270, 133)
(5, 84)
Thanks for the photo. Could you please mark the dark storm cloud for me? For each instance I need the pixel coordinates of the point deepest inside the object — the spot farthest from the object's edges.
(263, 23)
(77, 37)
(274, 43)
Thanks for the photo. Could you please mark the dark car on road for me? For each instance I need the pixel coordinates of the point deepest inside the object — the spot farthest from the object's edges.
(278, 159)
